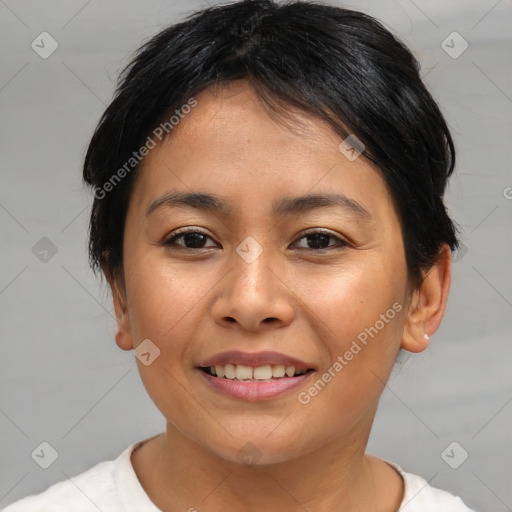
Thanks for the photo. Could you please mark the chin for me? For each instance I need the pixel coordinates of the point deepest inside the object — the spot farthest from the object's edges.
(248, 448)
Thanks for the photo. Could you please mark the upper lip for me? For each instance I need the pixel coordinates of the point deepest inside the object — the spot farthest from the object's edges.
(264, 358)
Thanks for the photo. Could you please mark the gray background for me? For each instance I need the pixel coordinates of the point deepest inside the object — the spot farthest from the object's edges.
(64, 381)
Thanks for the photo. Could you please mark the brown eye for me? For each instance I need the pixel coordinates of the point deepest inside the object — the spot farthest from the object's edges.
(319, 240)
(191, 239)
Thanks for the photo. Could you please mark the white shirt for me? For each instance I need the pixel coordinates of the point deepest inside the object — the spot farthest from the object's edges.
(113, 486)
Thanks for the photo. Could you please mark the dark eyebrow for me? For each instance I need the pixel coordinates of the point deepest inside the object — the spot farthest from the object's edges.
(199, 200)
(302, 204)
(285, 206)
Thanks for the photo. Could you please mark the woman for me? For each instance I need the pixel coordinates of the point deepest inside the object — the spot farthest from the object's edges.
(269, 215)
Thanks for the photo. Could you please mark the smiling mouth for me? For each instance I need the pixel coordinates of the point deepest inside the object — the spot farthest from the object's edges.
(265, 373)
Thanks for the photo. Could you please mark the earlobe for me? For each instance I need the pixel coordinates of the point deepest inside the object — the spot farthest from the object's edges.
(414, 338)
(123, 335)
(428, 304)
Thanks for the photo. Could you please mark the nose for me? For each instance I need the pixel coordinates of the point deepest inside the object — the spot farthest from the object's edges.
(254, 296)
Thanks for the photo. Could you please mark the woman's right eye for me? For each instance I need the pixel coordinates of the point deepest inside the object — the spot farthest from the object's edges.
(192, 239)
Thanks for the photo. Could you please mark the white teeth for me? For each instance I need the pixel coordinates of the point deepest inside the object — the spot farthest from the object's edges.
(229, 371)
(290, 371)
(278, 371)
(243, 372)
(263, 372)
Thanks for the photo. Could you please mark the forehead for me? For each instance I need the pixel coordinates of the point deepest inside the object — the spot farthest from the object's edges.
(231, 145)
(234, 114)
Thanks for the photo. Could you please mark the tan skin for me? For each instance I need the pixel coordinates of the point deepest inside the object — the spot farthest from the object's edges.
(194, 303)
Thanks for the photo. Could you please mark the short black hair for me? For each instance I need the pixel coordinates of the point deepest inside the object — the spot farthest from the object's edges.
(340, 65)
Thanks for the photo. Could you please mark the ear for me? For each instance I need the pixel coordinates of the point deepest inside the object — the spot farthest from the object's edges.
(428, 304)
(123, 337)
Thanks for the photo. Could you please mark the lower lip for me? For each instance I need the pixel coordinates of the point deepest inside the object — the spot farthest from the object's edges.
(254, 390)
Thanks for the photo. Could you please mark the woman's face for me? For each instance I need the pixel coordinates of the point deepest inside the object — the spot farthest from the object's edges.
(258, 288)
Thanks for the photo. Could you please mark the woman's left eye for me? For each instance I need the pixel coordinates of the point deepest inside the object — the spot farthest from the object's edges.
(319, 240)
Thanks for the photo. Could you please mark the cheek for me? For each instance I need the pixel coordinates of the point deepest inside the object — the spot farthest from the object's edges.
(164, 306)
(358, 317)
(345, 300)
(162, 296)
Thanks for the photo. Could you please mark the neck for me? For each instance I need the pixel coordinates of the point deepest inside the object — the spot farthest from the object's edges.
(179, 474)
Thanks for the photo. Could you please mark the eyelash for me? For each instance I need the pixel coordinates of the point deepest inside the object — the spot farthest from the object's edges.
(169, 242)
